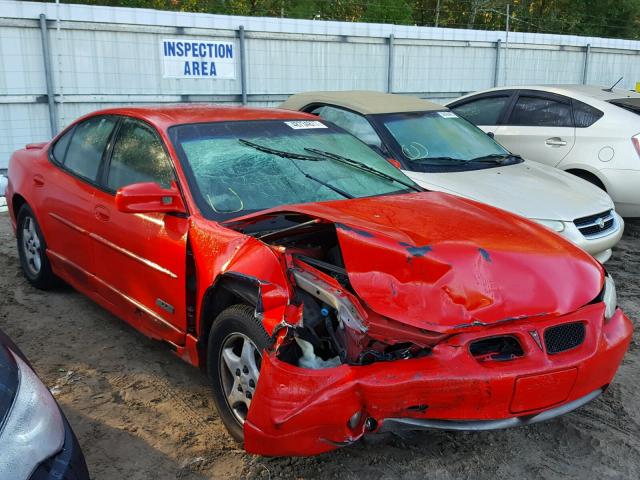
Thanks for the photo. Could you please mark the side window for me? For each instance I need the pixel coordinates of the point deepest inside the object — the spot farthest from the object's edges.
(138, 157)
(87, 145)
(60, 148)
(585, 115)
(353, 123)
(484, 111)
(540, 112)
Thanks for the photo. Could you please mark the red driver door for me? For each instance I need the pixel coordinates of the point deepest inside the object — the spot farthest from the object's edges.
(140, 258)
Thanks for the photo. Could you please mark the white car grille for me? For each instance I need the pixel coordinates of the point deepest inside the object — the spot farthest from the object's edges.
(598, 225)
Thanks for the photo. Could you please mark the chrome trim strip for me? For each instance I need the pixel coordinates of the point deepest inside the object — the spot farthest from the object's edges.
(68, 223)
(134, 302)
(132, 255)
(117, 248)
(399, 424)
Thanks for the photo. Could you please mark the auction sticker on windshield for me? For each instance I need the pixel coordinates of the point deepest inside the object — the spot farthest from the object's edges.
(447, 115)
(302, 124)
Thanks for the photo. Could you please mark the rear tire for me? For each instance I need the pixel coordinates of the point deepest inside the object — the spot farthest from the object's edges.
(32, 250)
(234, 354)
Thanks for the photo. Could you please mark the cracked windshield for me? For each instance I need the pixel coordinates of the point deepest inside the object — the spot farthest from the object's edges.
(242, 167)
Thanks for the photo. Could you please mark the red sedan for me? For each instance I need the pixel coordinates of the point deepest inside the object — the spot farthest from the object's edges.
(326, 295)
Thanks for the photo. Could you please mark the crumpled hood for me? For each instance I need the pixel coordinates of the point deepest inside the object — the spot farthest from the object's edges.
(439, 262)
(528, 189)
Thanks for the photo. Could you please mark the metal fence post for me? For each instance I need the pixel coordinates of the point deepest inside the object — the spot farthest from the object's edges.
(53, 120)
(496, 68)
(390, 65)
(243, 65)
(585, 68)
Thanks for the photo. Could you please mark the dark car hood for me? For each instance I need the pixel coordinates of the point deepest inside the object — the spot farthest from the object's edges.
(442, 263)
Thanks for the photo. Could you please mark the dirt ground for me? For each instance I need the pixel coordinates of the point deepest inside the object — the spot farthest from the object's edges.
(140, 412)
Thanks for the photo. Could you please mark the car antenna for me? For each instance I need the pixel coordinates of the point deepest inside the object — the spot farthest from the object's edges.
(610, 89)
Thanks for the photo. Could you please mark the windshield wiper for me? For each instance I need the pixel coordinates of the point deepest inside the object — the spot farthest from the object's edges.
(498, 158)
(279, 153)
(363, 167)
(296, 156)
(447, 159)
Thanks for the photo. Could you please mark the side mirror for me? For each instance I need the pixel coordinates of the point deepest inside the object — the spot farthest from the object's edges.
(149, 198)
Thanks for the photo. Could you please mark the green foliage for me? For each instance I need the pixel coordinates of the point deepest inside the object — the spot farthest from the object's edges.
(602, 18)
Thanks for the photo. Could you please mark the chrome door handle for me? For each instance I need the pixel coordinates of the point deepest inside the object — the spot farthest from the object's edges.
(555, 142)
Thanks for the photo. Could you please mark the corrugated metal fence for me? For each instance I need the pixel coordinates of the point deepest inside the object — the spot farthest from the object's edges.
(60, 61)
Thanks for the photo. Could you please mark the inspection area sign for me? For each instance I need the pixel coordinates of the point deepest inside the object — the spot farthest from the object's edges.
(195, 58)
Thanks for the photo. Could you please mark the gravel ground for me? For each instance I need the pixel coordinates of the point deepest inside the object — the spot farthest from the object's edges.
(139, 412)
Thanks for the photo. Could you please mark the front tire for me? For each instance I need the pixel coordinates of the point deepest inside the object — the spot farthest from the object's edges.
(236, 343)
(32, 250)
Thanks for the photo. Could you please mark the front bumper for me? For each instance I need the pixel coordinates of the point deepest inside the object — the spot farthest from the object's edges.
(67, 464)
(400, 424)
(297, 411)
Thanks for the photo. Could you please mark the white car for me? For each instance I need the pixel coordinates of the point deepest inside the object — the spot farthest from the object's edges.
(592, 132)
(441, 151)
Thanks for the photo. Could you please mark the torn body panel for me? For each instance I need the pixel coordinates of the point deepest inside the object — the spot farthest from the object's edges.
(298, 411)
(442, 326)
(442, 263)
(406, 316)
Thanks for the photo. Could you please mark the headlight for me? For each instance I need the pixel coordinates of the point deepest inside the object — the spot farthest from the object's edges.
(33, 430)
(555, 225)
(610, 297)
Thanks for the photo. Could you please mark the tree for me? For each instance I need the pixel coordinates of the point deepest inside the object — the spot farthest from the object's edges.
(604, 18)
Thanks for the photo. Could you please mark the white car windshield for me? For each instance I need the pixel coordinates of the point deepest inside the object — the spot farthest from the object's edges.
(437, 141)
(235, 168)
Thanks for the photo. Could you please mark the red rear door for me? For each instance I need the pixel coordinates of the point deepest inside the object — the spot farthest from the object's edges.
(65, 207)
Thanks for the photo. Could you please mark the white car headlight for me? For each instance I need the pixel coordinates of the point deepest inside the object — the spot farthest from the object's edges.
(555, 225)
(610, 297)
(33, 430)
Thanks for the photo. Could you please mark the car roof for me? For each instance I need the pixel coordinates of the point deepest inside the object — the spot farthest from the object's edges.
(363, 101)
(597, 92)
(165, 116)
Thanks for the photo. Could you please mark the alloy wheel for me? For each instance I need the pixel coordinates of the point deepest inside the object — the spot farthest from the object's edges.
(239, 372)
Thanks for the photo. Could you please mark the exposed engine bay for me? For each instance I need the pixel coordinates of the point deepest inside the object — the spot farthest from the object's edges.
(336, 327)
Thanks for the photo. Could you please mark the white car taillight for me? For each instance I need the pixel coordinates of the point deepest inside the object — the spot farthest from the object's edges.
(636, 143)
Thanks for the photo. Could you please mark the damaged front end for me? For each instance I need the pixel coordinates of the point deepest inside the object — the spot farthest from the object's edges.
(387, 330)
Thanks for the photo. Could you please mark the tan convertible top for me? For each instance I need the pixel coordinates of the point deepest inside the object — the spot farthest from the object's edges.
(362, 101)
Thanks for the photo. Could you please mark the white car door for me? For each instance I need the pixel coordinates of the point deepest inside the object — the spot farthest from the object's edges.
(538, 126)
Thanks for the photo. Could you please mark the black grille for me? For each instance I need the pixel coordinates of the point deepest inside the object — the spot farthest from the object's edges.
(593, 229)
(591, 218)
(595, 224)
(564, 337)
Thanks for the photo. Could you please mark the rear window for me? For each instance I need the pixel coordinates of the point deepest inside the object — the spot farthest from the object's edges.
(630, 104)
(585, 115)
(540, 112)
(60, 148)
(87, 145)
